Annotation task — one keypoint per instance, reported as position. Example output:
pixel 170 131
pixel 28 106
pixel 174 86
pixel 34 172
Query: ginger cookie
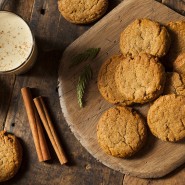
pixel 82 12
pixel 10 156
pixel 177 33
pixel 179 64
pixel 145 36
pixel 106 81
pixel 166 118
pixel 175 84
pixel 121 132
pixel 140 79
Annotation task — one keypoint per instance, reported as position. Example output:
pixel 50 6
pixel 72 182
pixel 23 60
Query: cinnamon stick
pixel 35 125
pixel 48 125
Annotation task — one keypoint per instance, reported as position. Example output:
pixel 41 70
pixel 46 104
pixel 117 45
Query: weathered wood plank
pixel 177 178
pixel 178 6
pixel 6 90
pixel 24 9
pixel 68 32
pixel 21 7
pixel 45 24
pixel 83 168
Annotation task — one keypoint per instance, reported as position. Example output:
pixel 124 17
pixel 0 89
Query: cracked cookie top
pixel 121 132
pixel 166 118
pixel 10 156
pixel 82 12
pixel 145 36
pixel 106 81
pixel 177 33
pixel 140 79
pixel 175 84
pixel 179 63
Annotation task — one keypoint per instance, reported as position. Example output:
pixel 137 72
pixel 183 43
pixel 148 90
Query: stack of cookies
pixel 138 76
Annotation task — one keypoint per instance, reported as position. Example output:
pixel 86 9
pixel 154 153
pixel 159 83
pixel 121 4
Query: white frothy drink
pixel 16 41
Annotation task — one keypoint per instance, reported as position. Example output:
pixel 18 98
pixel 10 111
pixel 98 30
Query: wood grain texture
pixel 21 7
pixel 83 168
pixel 178 6
pixel 6 90
pixel 45 16
pixel 157 158
pixel 175 178
pixel 7 81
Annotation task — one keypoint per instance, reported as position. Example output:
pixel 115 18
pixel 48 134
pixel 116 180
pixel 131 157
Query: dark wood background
pixel 53 34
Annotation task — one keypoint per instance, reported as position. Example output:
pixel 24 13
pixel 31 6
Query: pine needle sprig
pixel 93 52
pixel 83 80
pixel 89 53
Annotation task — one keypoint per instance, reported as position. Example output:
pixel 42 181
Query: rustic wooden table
pixel 53 34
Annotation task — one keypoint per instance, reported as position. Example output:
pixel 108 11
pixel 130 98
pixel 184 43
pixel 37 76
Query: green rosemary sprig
pixel 83 80
pixel 90 53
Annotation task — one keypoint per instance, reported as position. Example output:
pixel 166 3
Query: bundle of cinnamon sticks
pixel 36 108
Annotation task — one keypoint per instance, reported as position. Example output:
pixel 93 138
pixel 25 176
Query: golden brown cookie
pixel 166 118
pixel 179 64
pixel 177 33
pixel 175 84
pixel 145 36
pixel 10 156
pixel 82 12
pixel 141 79
pixel 106 81
pixel 121 132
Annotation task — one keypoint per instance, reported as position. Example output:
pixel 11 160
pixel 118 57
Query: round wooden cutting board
pixel 157 158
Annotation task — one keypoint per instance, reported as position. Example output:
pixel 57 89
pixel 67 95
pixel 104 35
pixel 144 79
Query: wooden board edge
pixel 159 173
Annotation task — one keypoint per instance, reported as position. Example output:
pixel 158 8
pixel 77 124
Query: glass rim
pixel 32 49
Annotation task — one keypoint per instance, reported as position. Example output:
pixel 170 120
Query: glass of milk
pixel 18 51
